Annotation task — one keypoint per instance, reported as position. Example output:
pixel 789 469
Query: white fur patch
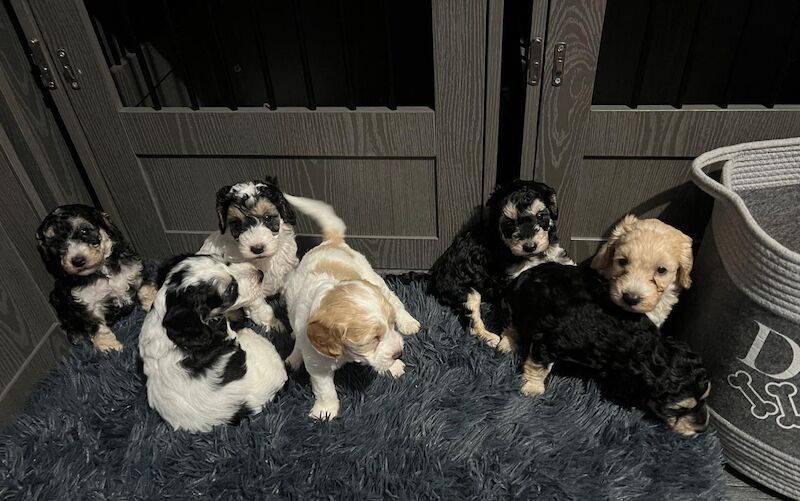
pixel 118 287
pixel 554 254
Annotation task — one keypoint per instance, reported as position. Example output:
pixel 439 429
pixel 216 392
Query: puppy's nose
pixel 631 299
pixel 529 247
pixel 78 261
pixel 256 249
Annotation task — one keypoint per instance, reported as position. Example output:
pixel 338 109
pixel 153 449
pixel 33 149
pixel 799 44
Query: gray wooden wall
pixel 37 172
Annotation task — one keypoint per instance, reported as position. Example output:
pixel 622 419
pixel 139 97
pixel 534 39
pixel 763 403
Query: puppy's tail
pixel 332 226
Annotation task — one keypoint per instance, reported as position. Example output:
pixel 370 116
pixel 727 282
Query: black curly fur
pixel 75 320
pixel 563 314
pixel 478 258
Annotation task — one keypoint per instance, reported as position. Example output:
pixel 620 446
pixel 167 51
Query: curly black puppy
pixel 564 314
pixel 98 275
pixel 518 233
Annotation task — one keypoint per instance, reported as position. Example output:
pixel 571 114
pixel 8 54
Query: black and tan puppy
pixel 98 275
pixel 565 314
pixel 518 232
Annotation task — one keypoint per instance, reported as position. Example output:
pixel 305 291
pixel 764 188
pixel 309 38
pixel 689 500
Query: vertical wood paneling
pixel 31 126
pixel 532 95
pixel 459 74
pixel 96 103
pixel 494 54
pixel 565 109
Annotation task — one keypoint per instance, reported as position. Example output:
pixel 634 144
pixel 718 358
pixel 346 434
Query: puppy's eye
pixel 622 262
pixel 84 232
pixel 661 270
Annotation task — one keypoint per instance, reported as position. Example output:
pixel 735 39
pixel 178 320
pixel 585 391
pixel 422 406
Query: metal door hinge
pixel 535 52
pixel 560 53
pixel 45 71
pixel 67 71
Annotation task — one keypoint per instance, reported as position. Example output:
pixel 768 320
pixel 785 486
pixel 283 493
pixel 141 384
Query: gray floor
pixel 740 488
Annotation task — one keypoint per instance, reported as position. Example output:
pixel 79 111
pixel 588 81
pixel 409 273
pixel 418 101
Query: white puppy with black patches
pixel 200 373
pixel 341 311
pixel 261 225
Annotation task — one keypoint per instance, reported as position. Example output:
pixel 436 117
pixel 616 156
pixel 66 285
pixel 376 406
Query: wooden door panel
pixel 404 179
pixel 287 131
pixel 610 188
pixel 393 198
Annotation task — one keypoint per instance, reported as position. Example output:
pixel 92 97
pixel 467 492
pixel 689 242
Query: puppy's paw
pixel 294 361
pixel 261 314
pixel 397 369
pixel 507 345
pixel 532 388
pixel 146 295
pixel 276 326
pixel 407 324
pixel 493 340
pixel 105 340
pixel 324 411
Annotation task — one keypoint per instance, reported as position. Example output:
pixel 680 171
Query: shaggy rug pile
pixel 454 427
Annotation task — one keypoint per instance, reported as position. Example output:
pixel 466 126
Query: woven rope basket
pixel 743 313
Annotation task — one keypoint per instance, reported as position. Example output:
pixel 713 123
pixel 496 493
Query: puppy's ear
pixel 550 203
pixel 185 328
pixel 223 203
pixel 285 210
pixel 601 261
pixel 111 229
pixel 325 337
pixel 685 262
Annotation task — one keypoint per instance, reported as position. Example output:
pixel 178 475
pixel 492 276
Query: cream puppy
pixel 341 311
pixel 647 263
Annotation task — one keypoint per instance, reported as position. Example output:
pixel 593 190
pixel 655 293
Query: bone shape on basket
pixel 759 408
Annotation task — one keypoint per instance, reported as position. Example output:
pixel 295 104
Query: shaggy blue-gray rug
pixel 454 427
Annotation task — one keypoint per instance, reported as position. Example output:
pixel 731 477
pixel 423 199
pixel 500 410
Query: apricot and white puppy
pixel 647 263
pixel 341 311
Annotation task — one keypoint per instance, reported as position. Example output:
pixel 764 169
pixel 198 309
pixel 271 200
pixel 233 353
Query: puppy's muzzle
pixel 631 299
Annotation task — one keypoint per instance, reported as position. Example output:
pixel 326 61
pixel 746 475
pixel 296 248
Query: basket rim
pixel 729 154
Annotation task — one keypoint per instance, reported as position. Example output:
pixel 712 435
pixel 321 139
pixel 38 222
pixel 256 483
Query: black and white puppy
pixel 564 314
pixel 98 275
pixel 256 225
pixel 200 373
pixel 518 233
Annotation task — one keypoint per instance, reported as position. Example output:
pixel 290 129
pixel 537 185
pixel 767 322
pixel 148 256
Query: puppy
pixel 261 225
pixel 564 314
pixel 98 275
pixel 341 311
pixel 647 263
pixel 199 372
pixel 518 233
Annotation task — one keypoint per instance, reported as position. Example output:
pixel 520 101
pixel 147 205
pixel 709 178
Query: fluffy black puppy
pixel 563 313
pixel 518 232
pixel 98 275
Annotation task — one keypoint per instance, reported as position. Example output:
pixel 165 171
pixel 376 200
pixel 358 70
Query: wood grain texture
pixel 25 315
pixel 532 95
pixel 459 44
pixel 610 188
pixel 27 116
pixel 685 132
pixel 565 109
pixel 290 132
pixel 66 24
pixel 494 56
pixel 72 125
pixel 393 253
pixel 375 197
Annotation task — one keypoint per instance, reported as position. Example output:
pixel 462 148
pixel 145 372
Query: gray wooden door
pixel 403 179
pixel 646 87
